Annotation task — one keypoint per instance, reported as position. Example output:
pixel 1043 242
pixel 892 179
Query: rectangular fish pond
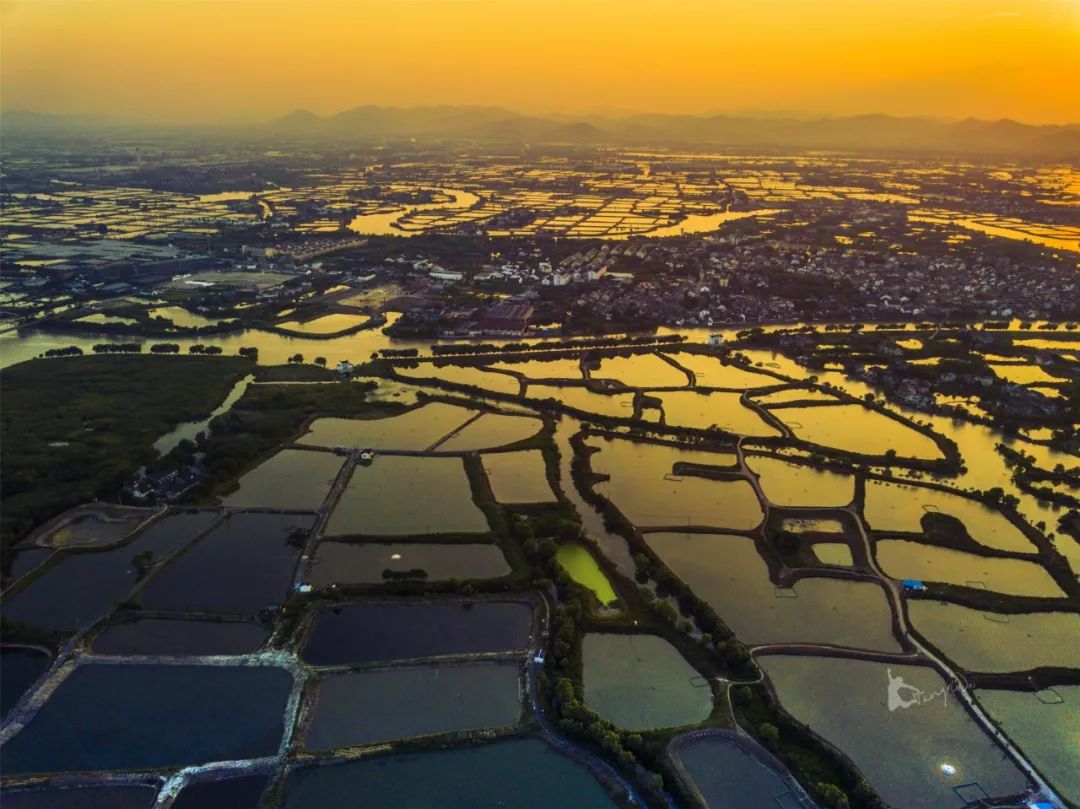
pixel 366 562
pixel 375 632
pixel 116 717
pixel 364 707
pixel 524 774
pixel 243 566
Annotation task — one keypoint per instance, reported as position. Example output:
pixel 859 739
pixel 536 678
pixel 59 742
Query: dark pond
pixel 524 774
pixel 92 797
pixel 353 562
pixel 83 587
pixel 19 669
pixel 106 717
pixel 729 776
pixel 26 560
pixel 365 633
pixel 232 793
pixel 176 637
pixel 242 566
pixel 362 707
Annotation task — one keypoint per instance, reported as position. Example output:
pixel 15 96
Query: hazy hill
pixel 498 125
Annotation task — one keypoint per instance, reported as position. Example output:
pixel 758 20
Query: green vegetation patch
pixel 74 429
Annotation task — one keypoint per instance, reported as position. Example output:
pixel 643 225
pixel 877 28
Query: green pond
pixel 583 568
pixel 702 411
pixel 518 477
pixel 788 484
pixel 382 499
pixel 904 559
pixel 1046 725
pixel 854 428
pixel 415 429
pixel 641 682
pixel 292 479
pixel 901 752
pixel 900 507
pixel 978 640
pixel 728 573
pixel 364 563
pixel 524 773
pixel 644 487
pixel 364 707
pixel 106 717
pixel 641 371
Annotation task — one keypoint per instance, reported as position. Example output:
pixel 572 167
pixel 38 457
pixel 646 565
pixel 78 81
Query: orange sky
pixel 224 60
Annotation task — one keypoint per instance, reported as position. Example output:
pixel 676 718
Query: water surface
pixel 364 707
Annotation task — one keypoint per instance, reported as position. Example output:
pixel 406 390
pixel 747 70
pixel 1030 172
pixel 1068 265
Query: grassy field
pixel 74 429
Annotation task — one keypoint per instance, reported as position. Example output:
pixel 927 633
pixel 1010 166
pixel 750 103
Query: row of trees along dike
pixel 157 348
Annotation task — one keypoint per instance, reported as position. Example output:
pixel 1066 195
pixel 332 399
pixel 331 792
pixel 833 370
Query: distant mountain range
pixel 496 124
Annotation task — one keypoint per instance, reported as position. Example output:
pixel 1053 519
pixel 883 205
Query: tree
pixel 321 361
pixel 770 734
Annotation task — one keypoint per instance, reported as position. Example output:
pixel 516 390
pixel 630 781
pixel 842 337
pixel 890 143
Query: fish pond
pixel 86 797
pixel 978 640
pixel 710 372
pixel 728 573
pixel 20 668
pixel 641 371
pixel 105 717
pixel 614 405
pixel 933 745
pixel 412 430
pixel 523 773
pixel 82 587
pixel 177 637
pixel 229 793
pixel 363 707
pixel 904 559
pixel 243 566
pixel 292 479
pixel 381 499
pixel 644 487
pixel 460 375
pixel 789 484
pixel 900 507
pixel 584 569
pixel 641 682
pixel 854 428
pixel 377 632
pixel 730 772
pixel 365 563
pixel 715 410
pixel 1046 725
pixel 518 477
